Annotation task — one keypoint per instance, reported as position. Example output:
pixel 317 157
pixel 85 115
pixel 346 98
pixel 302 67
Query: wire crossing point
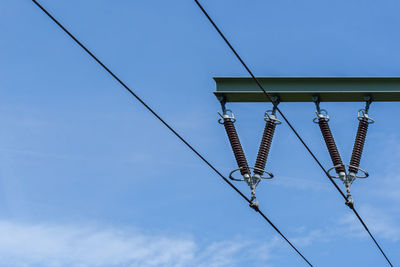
pixel 257 82
pixel 172 130
pixel 252 180
pixel 353 168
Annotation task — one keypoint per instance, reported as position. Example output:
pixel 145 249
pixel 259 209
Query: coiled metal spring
pixel 330 144
pixel 265 146
pixel 237 149
pixel 358 147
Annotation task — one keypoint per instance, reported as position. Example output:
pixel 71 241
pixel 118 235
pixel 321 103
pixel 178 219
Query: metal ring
pixel 231 116
pixel 364 116
pixel 254 168
pixel 235 179
pixel 268 117
pixel 264 171
pixel 321 115
pixel 334 167
pixel 366 174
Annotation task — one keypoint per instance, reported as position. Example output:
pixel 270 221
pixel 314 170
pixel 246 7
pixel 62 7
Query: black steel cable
pixel 170 128
pixel 288 123
pixel 268 96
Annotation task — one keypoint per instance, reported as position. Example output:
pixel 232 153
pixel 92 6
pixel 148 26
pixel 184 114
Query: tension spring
pixel 266 141
pixel 364 121
pixel 228 121
pixel 322 120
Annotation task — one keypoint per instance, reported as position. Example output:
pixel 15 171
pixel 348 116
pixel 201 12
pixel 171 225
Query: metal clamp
pixel 363 114
pixel 228 114
pixel 366 174
pixel 321 114
pixel 348 179
pixel 270 116
pixel 270 175
pixel 334 167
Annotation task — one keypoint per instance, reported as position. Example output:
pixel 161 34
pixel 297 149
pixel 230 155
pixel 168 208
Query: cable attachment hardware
pixel 265 145
pixel 252 181
pixel 228 115
pixel 362 115
pixel 266 141
pixel 353 168
pixel 270 115
pixel 228 120
pixel 347 177
pixel 322 120
pixel 322 114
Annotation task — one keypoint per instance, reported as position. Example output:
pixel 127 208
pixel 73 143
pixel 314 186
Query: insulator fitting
pixel 228 120
pixel 266 141
pixel 364 121
pixel 353 168
pixel 322 120
pixel 322 114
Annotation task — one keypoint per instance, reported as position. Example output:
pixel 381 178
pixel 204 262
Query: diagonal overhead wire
pixel 172 130
pixel 290 125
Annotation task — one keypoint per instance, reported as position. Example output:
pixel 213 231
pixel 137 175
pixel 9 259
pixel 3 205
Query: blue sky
pixel 89 178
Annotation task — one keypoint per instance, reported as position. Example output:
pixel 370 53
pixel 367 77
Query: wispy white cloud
pixel 379 222
pixel 314 236
pixel 388 175
pixel 388 187
pixel 301 183
pixel 74 245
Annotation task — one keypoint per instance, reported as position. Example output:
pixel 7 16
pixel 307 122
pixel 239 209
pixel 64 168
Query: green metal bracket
pixel 303 89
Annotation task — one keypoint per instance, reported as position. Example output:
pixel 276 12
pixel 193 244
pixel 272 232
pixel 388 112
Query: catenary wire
pixel 171 129
pixel 289 124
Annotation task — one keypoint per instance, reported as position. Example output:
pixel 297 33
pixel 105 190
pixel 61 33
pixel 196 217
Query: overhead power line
pixel 171 129
pixel 289 124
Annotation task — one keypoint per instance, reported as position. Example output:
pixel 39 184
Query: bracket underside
pixel 302 89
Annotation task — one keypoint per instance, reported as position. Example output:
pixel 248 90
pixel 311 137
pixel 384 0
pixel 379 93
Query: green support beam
pixel 302 89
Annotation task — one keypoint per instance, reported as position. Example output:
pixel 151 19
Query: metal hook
pixel 348 179
pixel 222 101
pixel 321 113
pixel 368 101
pixel 363 113
pixel 275 101
pixel 317 101
pixel 228 114
pixel 270 115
